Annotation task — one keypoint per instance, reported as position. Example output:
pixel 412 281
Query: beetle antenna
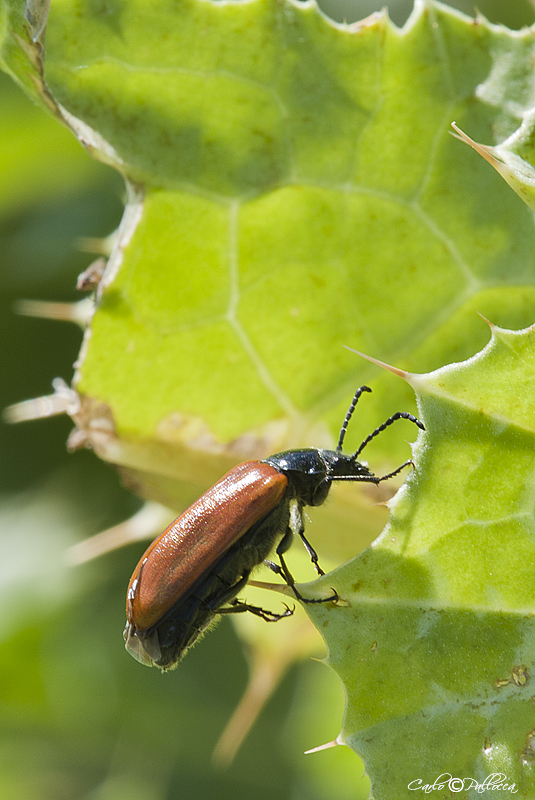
pixel 407 463
pixel 381 428
pixel 349 414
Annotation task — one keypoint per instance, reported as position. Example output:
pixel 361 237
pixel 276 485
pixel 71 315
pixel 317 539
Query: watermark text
pixel 493 783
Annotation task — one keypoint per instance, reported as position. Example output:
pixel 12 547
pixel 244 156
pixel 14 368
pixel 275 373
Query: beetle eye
pixel 320 495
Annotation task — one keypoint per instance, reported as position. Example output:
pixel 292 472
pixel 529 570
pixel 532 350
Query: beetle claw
pixel 238 607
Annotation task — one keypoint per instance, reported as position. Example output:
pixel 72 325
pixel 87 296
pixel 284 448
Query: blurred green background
pixel 78 717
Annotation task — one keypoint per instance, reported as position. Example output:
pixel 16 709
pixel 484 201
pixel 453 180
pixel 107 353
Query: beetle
pixel 196 568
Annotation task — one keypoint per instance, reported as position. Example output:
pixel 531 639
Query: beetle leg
pixel 285 573
pixel 312 553
pixel 297 527
pixel 286 541
pixel 238 607
pixel 228 594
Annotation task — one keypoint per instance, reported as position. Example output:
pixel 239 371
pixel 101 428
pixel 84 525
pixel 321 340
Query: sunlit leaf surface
pixel 436 642
pixel 293 187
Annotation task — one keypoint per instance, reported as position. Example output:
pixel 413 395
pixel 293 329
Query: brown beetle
pixel 195 569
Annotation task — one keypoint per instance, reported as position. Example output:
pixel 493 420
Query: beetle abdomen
pixel 194 611
pixel 197 539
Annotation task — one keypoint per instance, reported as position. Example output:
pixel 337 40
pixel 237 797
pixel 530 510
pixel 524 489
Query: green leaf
pixel 435 639
pixel 286 205
pixel 519 174
pixel 293 187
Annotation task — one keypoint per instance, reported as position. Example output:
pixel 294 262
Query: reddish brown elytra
pixel 195 569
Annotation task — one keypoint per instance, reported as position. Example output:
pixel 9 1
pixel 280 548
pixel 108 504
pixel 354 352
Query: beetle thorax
pixel 310 472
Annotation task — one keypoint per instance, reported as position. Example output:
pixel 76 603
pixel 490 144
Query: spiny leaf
pixel 296 190
pixel 436 642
